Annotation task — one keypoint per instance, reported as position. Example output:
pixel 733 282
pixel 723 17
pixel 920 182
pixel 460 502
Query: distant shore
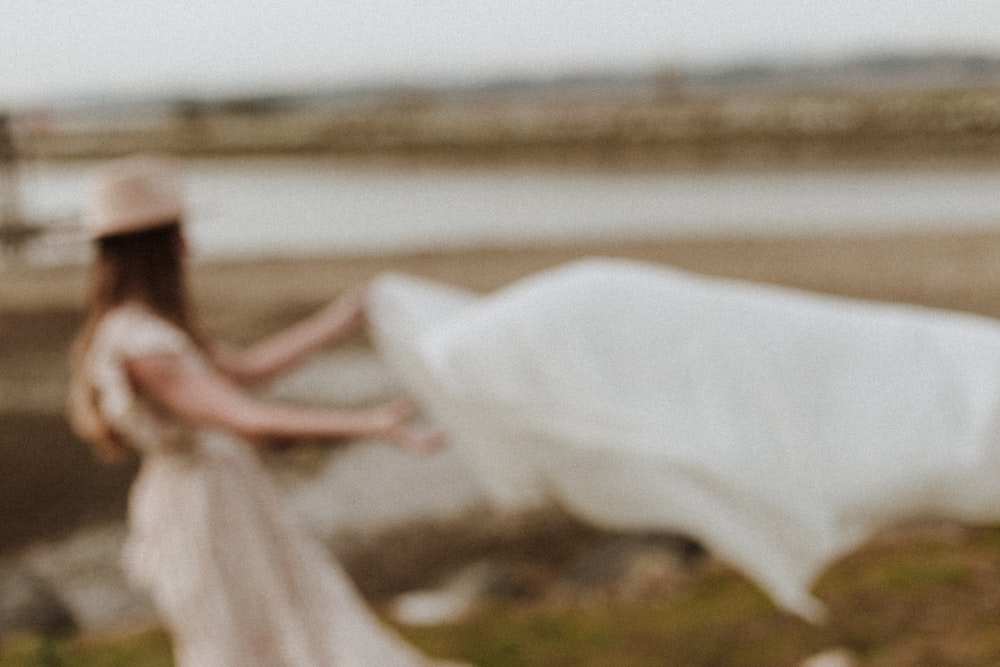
pixel 648 122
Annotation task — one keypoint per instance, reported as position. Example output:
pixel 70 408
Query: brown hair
pixel 144 267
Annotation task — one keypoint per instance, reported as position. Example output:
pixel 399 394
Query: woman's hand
pixel 423 443
pixel 391 422
pixel 347 313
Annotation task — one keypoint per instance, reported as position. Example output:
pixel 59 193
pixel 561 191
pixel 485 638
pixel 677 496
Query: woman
pixel 234 582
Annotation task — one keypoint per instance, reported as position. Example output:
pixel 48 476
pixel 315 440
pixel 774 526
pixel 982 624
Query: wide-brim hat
pixel 134 194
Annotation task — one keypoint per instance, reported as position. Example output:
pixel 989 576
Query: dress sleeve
pixel 132 331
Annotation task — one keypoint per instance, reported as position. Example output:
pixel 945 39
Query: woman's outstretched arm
pixel 199 395
pixel 286 349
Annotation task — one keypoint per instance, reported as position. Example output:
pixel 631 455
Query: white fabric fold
pixel 780 428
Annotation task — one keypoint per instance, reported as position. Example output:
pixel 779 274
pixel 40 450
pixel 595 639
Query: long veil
pixel 778 428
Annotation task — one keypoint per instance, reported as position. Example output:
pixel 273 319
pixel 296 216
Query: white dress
pixel 237 585
pixel 779 428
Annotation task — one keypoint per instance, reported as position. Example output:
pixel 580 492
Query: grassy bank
pixel 924 596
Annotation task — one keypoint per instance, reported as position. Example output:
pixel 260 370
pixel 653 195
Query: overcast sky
pixel 50 49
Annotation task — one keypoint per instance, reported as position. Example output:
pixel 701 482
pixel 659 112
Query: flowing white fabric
pixel 779 428
pixel 237 584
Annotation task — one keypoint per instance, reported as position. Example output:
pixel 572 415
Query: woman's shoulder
pixel 133 329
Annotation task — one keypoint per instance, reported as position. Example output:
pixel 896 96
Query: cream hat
pixel 134 194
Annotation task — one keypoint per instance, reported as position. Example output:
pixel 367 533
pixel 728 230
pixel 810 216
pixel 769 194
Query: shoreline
pixel 950 269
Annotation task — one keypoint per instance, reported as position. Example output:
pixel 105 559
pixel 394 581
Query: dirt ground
pixel 49 484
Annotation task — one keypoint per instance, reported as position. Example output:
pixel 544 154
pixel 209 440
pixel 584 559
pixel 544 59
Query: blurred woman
pixel 234 582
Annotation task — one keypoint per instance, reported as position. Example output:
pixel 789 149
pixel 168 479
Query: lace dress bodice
pixel 133 331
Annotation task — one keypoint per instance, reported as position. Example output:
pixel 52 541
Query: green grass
pixel 926 599
pixel 146 649
pixel 721 620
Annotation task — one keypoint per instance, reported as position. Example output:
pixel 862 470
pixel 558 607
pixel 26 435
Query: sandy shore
pixel 49 484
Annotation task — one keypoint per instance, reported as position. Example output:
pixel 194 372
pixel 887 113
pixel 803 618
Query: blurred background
pixel 848 147
pixel 562 119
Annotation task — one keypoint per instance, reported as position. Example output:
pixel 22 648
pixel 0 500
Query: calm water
pixel 247 208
